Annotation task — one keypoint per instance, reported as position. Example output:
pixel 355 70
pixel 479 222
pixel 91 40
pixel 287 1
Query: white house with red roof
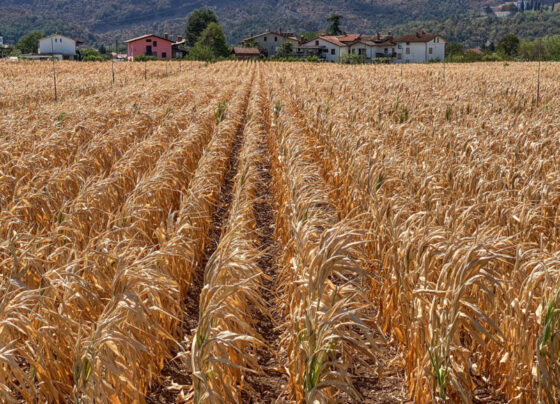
pixel 374 47
pixel 331 47
pixel 420 48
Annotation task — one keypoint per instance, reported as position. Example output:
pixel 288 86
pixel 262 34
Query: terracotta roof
pixel 349 37
pixel 332 39
pixel 147 36
pixel 246 51
pixel 377 43
pixel 475 50
pixel 419 37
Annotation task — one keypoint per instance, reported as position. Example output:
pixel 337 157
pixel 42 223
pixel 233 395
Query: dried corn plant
pixel 140 323
pixel 454 235
pixel 329 335
pixel 408 206
pixel 224 345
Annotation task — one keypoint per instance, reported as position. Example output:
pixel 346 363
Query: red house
pixel 150 45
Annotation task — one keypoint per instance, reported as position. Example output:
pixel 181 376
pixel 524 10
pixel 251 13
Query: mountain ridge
pixel 104 21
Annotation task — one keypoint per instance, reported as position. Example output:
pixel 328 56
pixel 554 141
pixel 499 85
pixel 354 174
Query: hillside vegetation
pixel 475 32
pixel 120 19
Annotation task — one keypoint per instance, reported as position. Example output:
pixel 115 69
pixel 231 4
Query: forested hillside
pixel 110 19
pixel 103 21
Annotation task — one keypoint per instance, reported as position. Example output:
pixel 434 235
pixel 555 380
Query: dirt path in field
pixel 271 385
pixel 174 371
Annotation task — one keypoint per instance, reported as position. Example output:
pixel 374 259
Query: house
pixel 246 53
pixel 329 47
pixel 180 48
pixel 374 47
pixel 150 45
pixel 420 48
pixel 59 46
pixel 270 42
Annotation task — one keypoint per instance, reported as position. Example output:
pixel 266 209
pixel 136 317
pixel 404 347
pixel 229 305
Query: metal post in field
pixel 145 68
pixel 444 68
pixel 113 62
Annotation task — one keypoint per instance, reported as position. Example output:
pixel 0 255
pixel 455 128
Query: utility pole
pixel 54 71
pixel 444 65
pixel 113 61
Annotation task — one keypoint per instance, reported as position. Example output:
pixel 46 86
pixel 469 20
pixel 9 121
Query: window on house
pixel 386 50
pixel 333 51
pixel 148 40
pixel 399 55
pixel 408 43
pixel 264 39
pixel 155 44
pixel 164 54
pixel 316 43
pixel 275 39
pixel 430 51
pixel 408 51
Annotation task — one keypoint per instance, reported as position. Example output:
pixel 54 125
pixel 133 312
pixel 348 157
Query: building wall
pixel 138 48
pixel 420 51
pixel 271 43
pixel 360 47
pixel 370 52
pixel 59 44
pixel 333 52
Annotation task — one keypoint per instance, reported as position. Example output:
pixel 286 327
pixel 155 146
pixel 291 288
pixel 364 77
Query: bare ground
pixel 269 386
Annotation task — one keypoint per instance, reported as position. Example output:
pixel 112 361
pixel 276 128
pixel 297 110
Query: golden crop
pixel 241 232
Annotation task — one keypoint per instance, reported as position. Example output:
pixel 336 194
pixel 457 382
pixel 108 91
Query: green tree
pixel 197 23
pixel 30 42
pixel 509 7
pixel 508 45
pixel 102 49
pixel 310 35
pixel 552 47
pixel 213 38
pixel 251 44
pixel 203 53
pixel 334 28
pixel 453 49
pixel 287 49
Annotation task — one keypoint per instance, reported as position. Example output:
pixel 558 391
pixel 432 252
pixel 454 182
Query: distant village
pixel 419 47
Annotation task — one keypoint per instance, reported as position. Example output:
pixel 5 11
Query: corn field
pixel 274 232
